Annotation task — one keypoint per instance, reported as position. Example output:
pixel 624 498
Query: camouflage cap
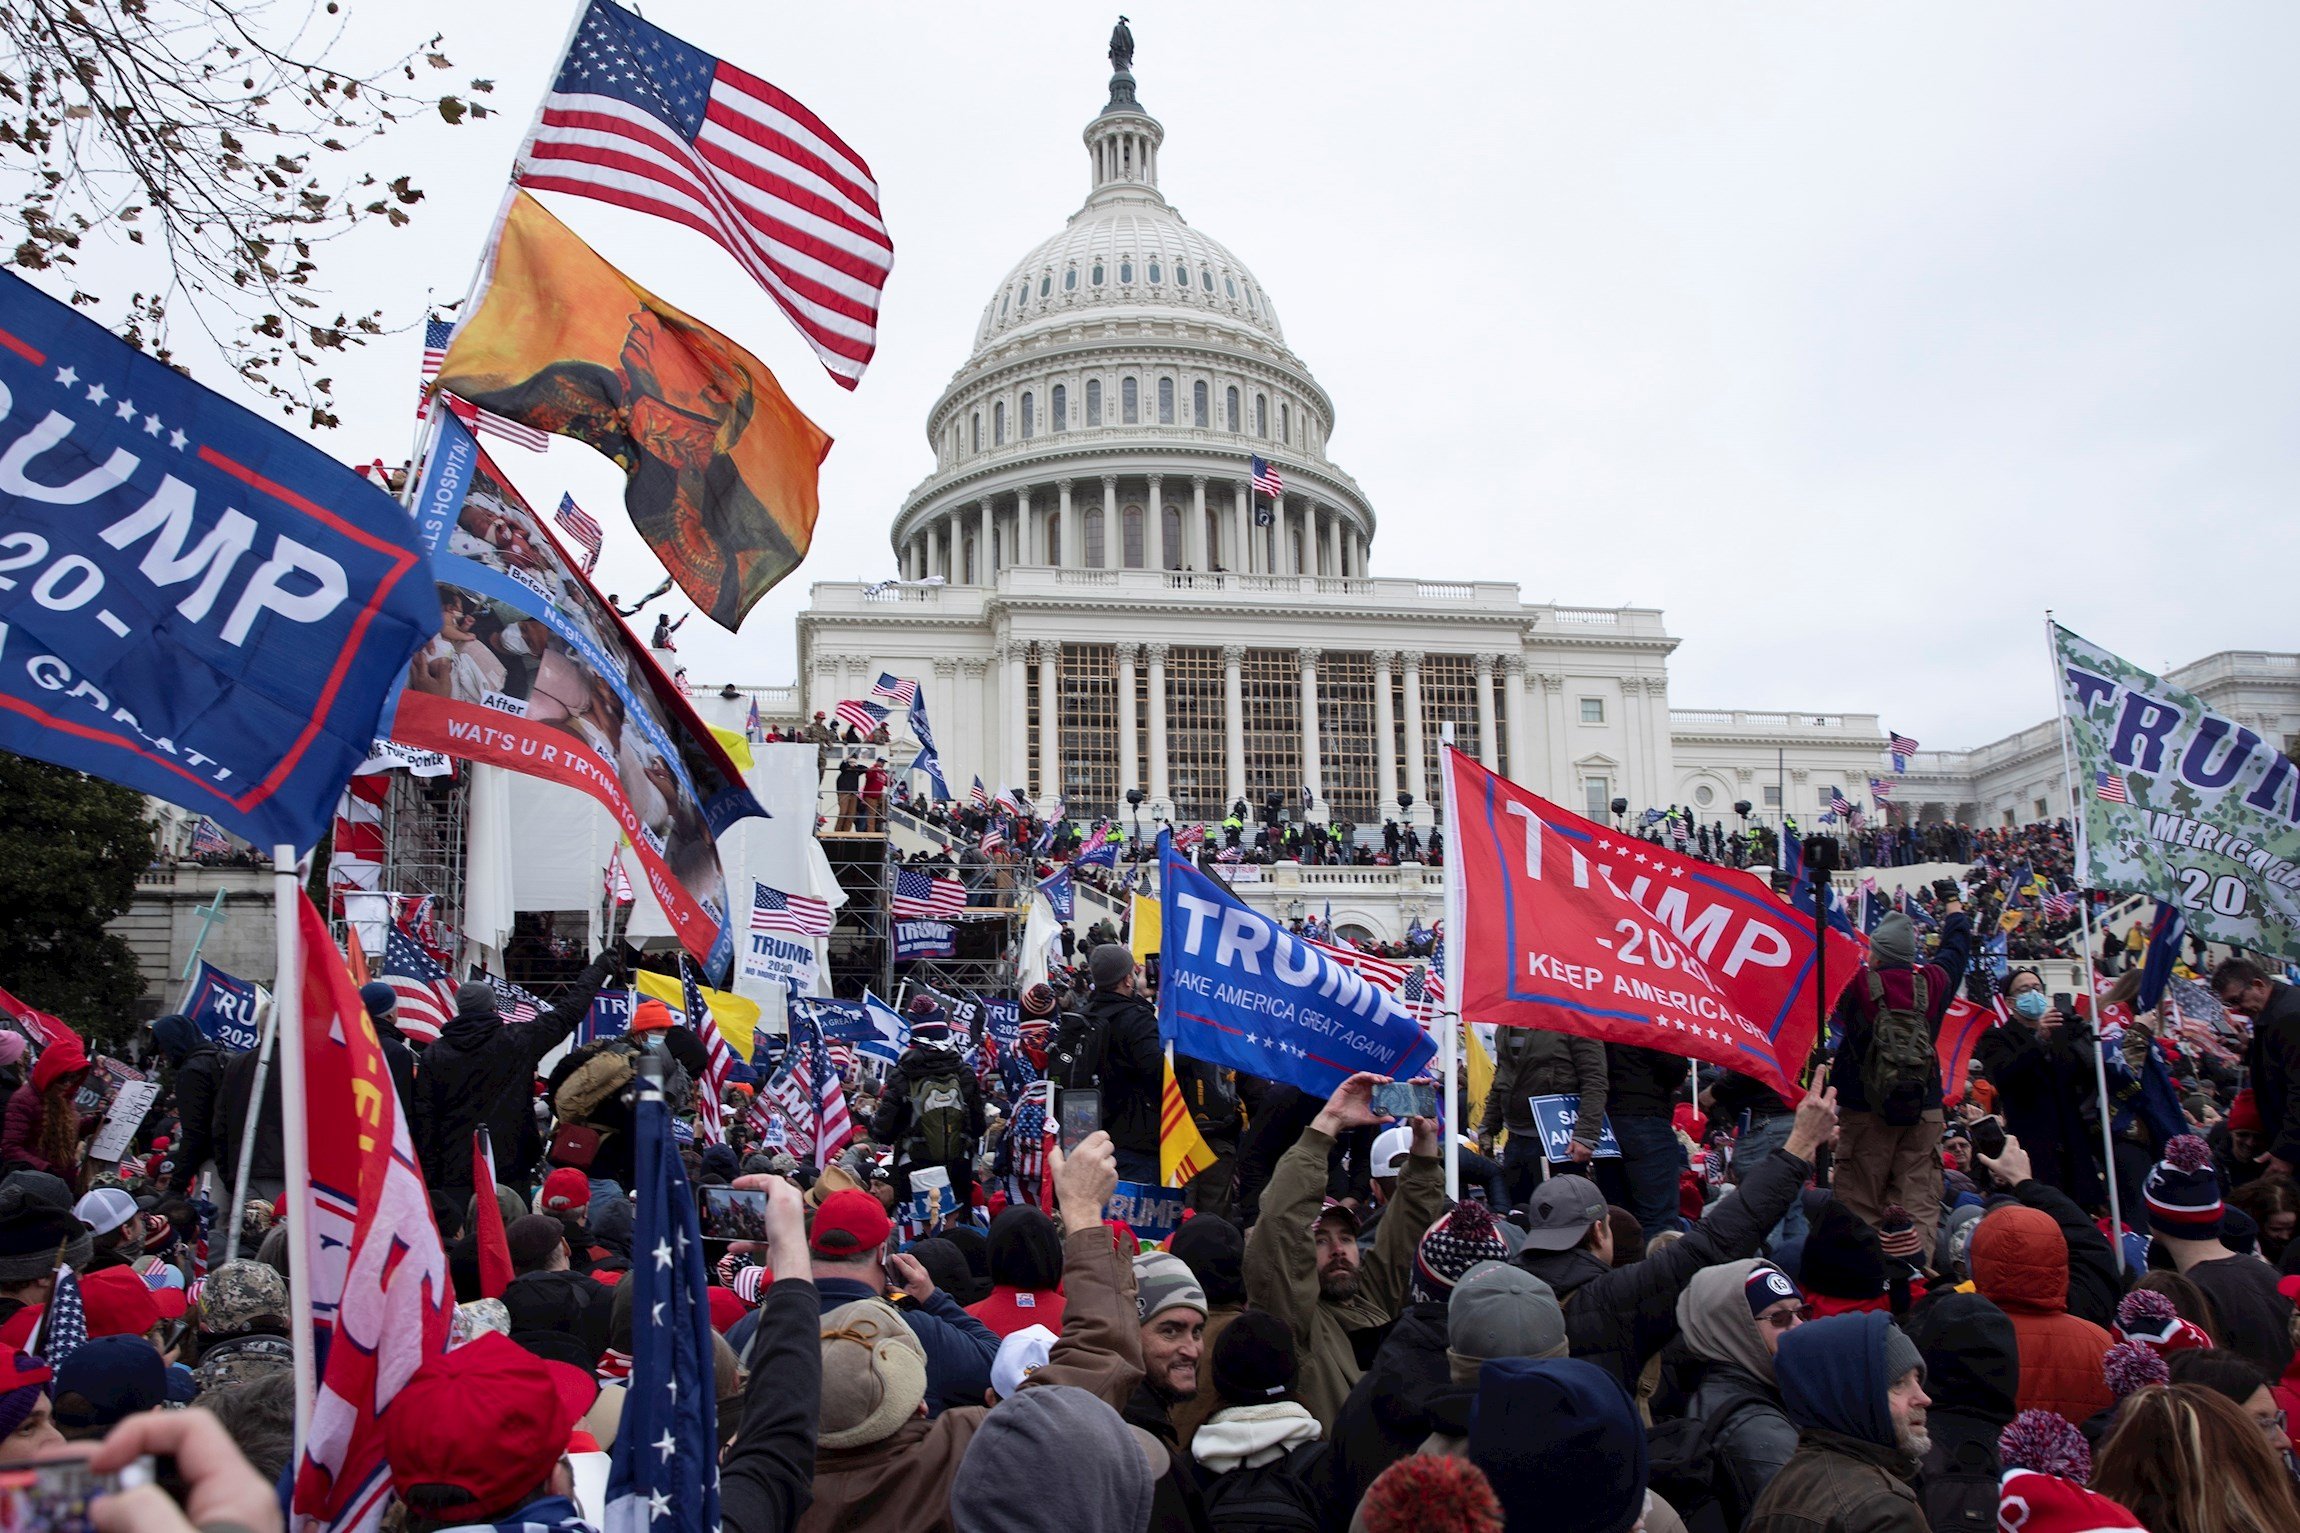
pixel 243 1360
pixel 239 1295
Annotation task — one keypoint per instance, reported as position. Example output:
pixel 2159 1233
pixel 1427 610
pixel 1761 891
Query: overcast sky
pixel 1852 337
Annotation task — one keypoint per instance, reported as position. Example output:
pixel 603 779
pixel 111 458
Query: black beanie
pixel 1254 1360
pixel 1844 1258
pixel 1025 1249
pixel 1215 1252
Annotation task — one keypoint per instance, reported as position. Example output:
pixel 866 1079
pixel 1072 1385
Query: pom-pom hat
pixel 2183 1192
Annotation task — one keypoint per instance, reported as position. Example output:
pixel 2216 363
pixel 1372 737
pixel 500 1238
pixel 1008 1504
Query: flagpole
pixel 264 1048
pixel 2084 911
pixel 1449 1038
pixel 287 1040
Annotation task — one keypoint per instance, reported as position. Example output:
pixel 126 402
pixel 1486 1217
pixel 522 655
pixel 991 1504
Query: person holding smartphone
pixel 2041 1062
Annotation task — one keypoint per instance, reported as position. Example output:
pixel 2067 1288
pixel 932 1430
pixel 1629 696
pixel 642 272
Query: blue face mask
pixel 2031 1004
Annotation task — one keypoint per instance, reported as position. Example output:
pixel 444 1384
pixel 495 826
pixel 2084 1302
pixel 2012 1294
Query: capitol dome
pixel 1125 375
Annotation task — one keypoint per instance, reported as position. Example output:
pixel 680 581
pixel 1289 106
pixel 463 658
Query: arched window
pixel 1045 284
pixel 1170 535
pixel 1097 273
pixel 1061 413
pixel 1003 300
pixel 1230 286
pixel 1129 402
pixel 998 424
pixel 1070 280
pixel 1153 268
pixel 1198 404
pixel 1206 277
pixel 1165 401
pixel 1094 401
pixel 1262 416
pixel 1230 407
pixel 977 447
pixel 1029 416
pixel 1285 423
pixel 1095 542
pixel 1130 521
pixel 1126 269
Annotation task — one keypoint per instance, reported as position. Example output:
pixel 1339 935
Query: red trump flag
pixel 1579 928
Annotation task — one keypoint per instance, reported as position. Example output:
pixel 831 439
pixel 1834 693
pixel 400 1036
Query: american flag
pixel 63 1326
pixel 895 691
pixel 977 795
pixel 1229 854
pixel 719 1060
pixel 1267 480
pixel 577 523
pixel 920 894
pixel 643 120
pixel 2059 905
pixel 426 993
pixel 754 728
pixel 1010 801
pixel 1384 973
pixel 808 1093
pixel 208 837
pixel 1900 744
pixel 1880 790
pixel 515 1004
pixel 993 840
pixel 1838 802
pixel 1027 1138
pixel 860 716
pixel 1422 992
pixel 2109 787
pixel 793 914
pixel 672 1402
pixel 436 334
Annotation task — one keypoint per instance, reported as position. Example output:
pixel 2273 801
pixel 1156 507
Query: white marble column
pixel 1242 529
pixel 1385 739
pixel 1154 531
pixel 1049 722
pixel 984 568
pixel 933 549
pixel 1156 655
pixel 1329 544
pixel 1024 549
pixel 1016 701
pixel 1520 738
pixel 1073 541
pixel 1113 536
pixel 1560 787
pixel 1128 653
pixel 1488 747
pixel 1313 763
pixel 1194 534
pixel 1234 723
pixel 1415 785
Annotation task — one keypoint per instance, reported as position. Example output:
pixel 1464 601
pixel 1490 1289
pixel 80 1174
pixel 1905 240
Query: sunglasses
pixel 1782 1319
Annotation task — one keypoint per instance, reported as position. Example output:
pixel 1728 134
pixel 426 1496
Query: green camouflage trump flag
pixel 2181 803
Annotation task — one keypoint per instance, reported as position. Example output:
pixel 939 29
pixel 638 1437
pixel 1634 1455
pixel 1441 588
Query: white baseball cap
pixel 1019 1356
pixel 105 1209
pixel 1391 1147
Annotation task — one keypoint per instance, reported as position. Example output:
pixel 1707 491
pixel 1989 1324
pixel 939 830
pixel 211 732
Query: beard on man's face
pixel 1338 1280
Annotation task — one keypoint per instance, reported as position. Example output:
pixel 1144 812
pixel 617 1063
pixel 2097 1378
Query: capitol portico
pixel 1096 599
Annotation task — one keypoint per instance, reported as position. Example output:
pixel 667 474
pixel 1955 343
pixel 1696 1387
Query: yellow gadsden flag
pixel 722 465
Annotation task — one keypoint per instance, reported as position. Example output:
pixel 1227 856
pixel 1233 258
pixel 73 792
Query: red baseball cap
pixel 564 1190
pixel 120 1303
pixel 849 1224
pixel 488 1419
pixel 727 1307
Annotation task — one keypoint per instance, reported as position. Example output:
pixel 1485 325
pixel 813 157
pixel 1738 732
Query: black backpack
pixel 1684 1468
pixel 938 1126
pixel 1273 1498
pixel 1074 1054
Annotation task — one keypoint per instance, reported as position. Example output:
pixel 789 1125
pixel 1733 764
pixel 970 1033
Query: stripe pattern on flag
pixel 794 915
pixel 579 525
pixel 921 895
pixel 426 993
pixel 436 334
pixel 638 118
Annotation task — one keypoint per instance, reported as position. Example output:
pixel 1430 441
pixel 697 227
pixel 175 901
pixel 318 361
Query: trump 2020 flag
pixel 1237 989
pixel 196 604
pixel 664 1476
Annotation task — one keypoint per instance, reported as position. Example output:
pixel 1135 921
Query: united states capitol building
pixel 1095 599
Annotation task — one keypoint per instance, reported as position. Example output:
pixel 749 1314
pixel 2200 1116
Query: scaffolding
pixel 423 845
pixel 862 949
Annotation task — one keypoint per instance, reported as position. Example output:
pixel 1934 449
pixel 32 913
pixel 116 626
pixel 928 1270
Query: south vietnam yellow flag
pixel 1480 1075
pixel 1146 927
pixel 722 465
pixel 1182 1151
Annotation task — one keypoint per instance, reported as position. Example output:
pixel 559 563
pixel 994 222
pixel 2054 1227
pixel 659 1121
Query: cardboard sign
pixel 1556 1118
pixel 119 1128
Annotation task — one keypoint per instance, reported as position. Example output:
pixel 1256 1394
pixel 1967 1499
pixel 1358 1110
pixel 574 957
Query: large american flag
pixel 920 894
pixel 1385 973
pixel 2059 905
pixel 719 1060
pixel 895 691
pixel 1880 790
pixel 426 993
pixel 793 914
pixel 978 795
pixel 643 120
pixel 1838 802
pixel 1267 480
pixel 1900 744
pixel 436 334
pixel 864 718
pixel 807 1093
pixel 578 524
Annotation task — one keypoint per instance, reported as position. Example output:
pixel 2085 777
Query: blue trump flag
pixel 664 1474
pixel 193 603
pixel 1061 895
pixel 1236 988
pixel 225 1007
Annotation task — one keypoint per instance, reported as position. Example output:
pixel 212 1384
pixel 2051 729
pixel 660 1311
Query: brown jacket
pixel 1839 1484
pixel 1282 1266
pixel 1531 1062
pixel 901 1484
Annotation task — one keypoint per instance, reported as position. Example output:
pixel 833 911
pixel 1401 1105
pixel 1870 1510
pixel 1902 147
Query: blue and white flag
pixel 1236 988
pixel 199 605
pixel 228 1009
pixel 1062 894
pixel 663 1476
pixel 63 1326
pixel 609 1017
pixel 916 939
pixel 930 763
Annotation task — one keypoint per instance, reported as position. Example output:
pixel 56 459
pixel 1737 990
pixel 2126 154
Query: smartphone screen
pixel 729 1213
pixel 53 1497
pixel 1081 1115
pixel 1406 1099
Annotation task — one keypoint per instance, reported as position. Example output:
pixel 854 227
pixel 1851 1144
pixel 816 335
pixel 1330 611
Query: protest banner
pixel 2179 802
pixel 1149 1211
pixel 392 755
pixel 924 939
pixel 533 672
pixel 127 1111
pixel 1556 1117
pixel 1236 988
pixel 229 1010
pixel 771 959
pixel 1573 926
pixel 194 603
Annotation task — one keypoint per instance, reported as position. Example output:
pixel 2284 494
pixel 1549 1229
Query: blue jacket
pixel 959 1348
